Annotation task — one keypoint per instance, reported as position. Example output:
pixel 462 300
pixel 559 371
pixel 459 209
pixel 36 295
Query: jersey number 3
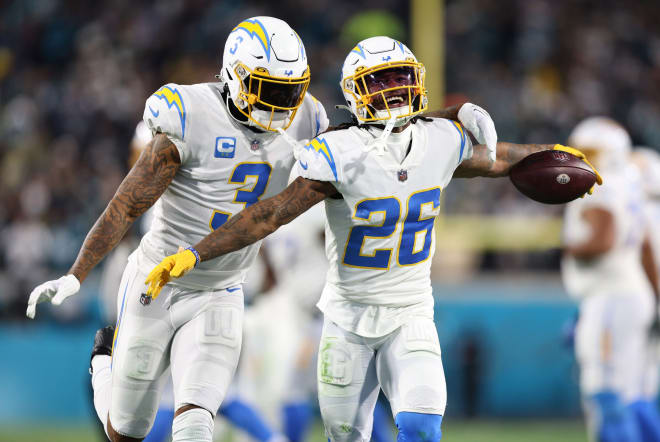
pixel 260 171
pixel 417 230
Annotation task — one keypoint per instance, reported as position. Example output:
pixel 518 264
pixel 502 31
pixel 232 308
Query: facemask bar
pixel 356 86
pixel 250 99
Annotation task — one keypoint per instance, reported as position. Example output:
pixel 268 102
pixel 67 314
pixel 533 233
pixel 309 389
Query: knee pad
pixel 195 425
pixel 613 421
pixel 418 427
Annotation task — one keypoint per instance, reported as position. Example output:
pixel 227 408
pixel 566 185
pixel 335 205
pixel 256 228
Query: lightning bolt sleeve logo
pixel 319 145
pixel 173 98
pixel 254 28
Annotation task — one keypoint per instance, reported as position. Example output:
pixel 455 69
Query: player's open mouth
pixel 396 100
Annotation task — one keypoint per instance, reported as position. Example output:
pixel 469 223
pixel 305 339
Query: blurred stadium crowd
pixel 74 76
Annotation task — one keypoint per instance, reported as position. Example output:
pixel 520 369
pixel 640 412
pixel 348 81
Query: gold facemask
pixel 262 92
pixel 373 91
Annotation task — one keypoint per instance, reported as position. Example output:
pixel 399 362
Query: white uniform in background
pixel 224 167
pixel 377 301
pixel 273 366
pixel 648 161
pixel 616 297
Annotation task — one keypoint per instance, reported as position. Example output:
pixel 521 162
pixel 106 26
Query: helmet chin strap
pixel 298 146
pixel 380 144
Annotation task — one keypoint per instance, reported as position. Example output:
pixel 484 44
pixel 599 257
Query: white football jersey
pixel 297 255
pixel 618 270
pixel 379 236
pixel 225 167
pixel 653 220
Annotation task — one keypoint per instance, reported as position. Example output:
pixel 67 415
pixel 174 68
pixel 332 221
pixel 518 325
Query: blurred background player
pixel 234 409
pixel 605 266
pixel 215 150
pixel 647 161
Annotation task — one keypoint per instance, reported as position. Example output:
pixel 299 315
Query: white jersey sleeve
pixel 463 140
pixel 317 162
pixel 165 112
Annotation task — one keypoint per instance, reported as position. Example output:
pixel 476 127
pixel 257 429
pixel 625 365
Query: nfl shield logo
pixel 402 175
pixel 145 299
pixel 254 146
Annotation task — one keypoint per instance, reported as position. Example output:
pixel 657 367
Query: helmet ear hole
pixel 229 75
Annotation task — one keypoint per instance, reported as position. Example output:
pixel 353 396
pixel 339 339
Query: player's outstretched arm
pixel 508 154
pixel 143 185
pixel 245 228
pixel 476 120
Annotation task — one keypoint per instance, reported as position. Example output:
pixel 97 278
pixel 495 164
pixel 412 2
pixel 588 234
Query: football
pixel 552 177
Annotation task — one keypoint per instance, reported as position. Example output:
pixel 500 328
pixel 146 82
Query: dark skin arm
pixel 602 236
pixel 264 217
pixel 143 185
pixel 508 154
pixel 650 266
pixel 450 113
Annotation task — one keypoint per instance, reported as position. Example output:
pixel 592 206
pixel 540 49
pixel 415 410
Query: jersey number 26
pixel 414 226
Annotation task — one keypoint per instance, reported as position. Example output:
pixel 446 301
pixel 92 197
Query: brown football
pixel 552 177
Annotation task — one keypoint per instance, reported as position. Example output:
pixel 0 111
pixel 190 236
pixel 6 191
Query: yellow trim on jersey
pixel 364 237
pixel 246 177
pixel 229 215
pixel 419 218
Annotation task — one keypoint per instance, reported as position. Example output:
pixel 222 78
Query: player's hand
pixel 174 266
pixel 478 122
pixel 54 291
pixel 580 155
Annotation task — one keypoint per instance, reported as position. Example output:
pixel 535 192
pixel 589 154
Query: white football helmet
pixel 604 141
pixel 264 66
pixel 381 79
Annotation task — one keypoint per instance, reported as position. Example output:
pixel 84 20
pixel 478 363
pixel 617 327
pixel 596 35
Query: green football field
pixel 453 431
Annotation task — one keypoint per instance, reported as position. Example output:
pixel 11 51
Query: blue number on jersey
pixel 414 224
pixel 261 171
pixel 390 208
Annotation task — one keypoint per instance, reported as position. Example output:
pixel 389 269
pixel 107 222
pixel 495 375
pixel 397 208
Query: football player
pixel 648 162
pixel 381 179
pixel 234 409
pixel 604 267
pixel 215 150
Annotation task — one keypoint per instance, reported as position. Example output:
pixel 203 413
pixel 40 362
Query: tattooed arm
pixel 143 185
pixel 450 113
pixel 264 217
pixel 508 154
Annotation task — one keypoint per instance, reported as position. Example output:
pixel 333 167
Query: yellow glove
pixel 580 155
pixel 174 266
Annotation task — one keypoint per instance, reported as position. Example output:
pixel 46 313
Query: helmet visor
pixel 391 87
pixel 278 93
pixel 394 77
